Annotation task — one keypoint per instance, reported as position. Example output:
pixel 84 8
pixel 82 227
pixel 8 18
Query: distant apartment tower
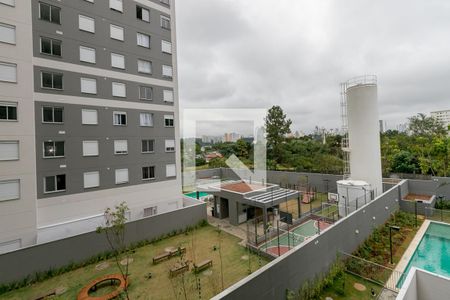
pixel 382 126
pixel 88 114
pixel 443 116
pixel 231 137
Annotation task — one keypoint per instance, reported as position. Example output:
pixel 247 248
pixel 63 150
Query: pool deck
pixel 403 263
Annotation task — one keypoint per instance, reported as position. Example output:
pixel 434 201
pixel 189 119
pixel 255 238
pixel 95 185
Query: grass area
pixel 343 288
pixel 200 245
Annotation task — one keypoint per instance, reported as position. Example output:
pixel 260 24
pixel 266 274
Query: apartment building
pixel 88 114
pixel 443 116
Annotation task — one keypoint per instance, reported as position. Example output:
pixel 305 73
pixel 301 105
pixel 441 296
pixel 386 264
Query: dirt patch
pixel 102 266
pixel 413 197
pixel 359 287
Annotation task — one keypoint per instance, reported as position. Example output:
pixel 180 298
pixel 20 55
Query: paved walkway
pixel 387 295
pixel 228 228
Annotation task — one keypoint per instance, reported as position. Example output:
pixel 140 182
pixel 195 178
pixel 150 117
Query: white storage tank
pixel 364 131
pixel 352 195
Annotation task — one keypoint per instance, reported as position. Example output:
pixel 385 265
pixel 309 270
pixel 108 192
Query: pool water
pixel 433 252
pixel 194 195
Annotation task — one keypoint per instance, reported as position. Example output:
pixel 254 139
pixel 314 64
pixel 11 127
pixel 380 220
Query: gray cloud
pixel 294 53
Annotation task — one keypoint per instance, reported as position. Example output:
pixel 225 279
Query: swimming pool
pixel 433 252
pixel 194 195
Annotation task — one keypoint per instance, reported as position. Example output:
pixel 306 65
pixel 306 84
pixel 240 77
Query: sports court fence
pixel 440 215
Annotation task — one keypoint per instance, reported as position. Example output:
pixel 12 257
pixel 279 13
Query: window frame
pixel 142 9
pixel 50 14
pixel 54 146
pixel 8 64
pixel 122 182
pixel 169 117
pixel 90 173
pixel 88 79
pixel 169 149
pixel 121 84
pixel 88 48
pixel 117 54
pixel 13 27
pixel 111 35
pixel 83 29
pixel 115 9
pixel 163 20
pixel 53 114
pixel 53 81
pixel 149 172
pixel 147 36
pixel 88 110
pixel 148 142
pixel 56 184
pixel 145 61
pixel 6 181
pixel 120 152
pixel 51 46
pixel 152 119
pixel 7 104
pixel 120 113
pixel 15 142
pixel 146 88
pixel 167 43
pixel 90 141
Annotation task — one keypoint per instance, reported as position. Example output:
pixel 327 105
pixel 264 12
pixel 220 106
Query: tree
pixel 277 126
pixel 114 231
pixel 242 148
pixel 404 162
pixel 217 163
pixel 421 125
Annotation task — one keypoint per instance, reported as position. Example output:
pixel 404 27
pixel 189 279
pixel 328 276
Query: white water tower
pixel 361 122
pixel 352 195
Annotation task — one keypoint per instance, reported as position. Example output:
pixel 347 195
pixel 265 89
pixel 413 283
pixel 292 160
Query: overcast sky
pixel 294 53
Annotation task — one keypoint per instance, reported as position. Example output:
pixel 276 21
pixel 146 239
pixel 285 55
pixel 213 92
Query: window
pixel 50 46
pixel 91 179
pixel 116 32
pixel 117 61
pixel 167 71
pixel 143 40
pixel 9 150
pixel 89 117
pixel 8 72
pixel 53 149
pixel 148 173
pixel 150 211
pixel 171 170
pixel 56 183
pixel 90 148
pixel 9 190
pixel 166 47
pixel 86 23
pixel 170 145
pixel 52 114
pixel 8 2
pixel 145 93
pixel 88 85
pixel 52 80
pixel 146 119
pixel 144 66
pixel 168 96
pixel 121 176
pixel 7 33
pixel 87 54
pixel 116 5
pixel 49 13
pixel 168 121
pixel 166 2
pixel 165 22
pixel 148 146
pixel 8 111
pixel 119 89
pixel 120 147
pixel 120 118
pixel 142 13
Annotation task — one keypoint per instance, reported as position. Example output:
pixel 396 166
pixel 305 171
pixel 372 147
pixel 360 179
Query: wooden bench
pixel 92 286
pixel 178 269
pixel 202 266
pixel 177 252
pixel 161 257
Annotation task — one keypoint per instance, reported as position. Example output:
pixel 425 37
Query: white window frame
pixel 168 96
pixel 7 38
pixel 169 117
pixel 143 40
pixel 143 61
pixel 53 114
pixel 171 170
pixel 116 32
pixel 52 41
pixel 88 25
pixel 166 47
pixel 151 119
pixel 88 85
pixel 121 181
pixel 119 89
pixel 120 113
pixel 11 67
pixel 56 184
pixel 162 21
pixel 87 145
pixel 167 71
pixel 116 5
pixel 12 196
pixel 86 55
pixel 10 104
pixel 148 14
pixel 86 118
pixel 87 177
pixel 169 146
pixel 53 81
pixel 120 147
pixel 150 211
pixel 54 145
pixel 150 178
pixel 117 61
pixel 148 142
pixel 13 151
pixel 143 97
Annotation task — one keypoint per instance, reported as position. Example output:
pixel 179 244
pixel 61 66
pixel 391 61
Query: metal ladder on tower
pixel 345 145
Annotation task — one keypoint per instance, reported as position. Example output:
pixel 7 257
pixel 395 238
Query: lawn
pixel 291 205
pixel 343 288
pixel 200 245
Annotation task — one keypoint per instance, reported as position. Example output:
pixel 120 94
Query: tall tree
pixel 421 125
pixel 277 126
